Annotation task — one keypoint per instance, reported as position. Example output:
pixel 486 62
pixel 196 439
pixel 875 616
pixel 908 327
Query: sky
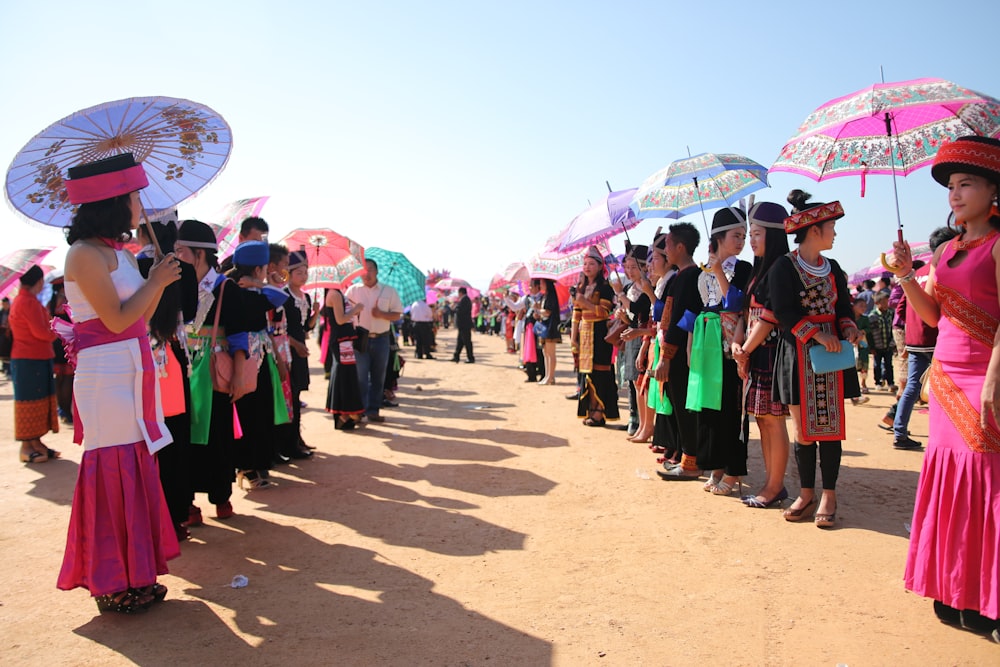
pixel 464 134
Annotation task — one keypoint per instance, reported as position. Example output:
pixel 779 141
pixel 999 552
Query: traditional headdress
pixel 104 179
pixel 252 253
pixel 806 213
pixel 659 244
pixel 768 214
pixel 297 258
pixel 968 155
pixel 728 218
pixel 639 253
pixel 196 234
pixel 595 254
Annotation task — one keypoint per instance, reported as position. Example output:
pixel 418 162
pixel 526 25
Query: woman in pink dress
pixel 954 554
pixel 120 534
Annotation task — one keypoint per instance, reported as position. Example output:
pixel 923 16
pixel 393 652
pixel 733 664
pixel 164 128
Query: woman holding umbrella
pixel 598 401
pixel 119 542
pixel 954 554
pixel 813 307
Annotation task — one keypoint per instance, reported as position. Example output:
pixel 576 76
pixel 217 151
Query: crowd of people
pixel 171 359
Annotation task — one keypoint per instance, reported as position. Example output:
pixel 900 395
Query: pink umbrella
pixel 449 284
pixel 887 128
pixel 561 267
pixel 920 251
pixel 13 265
pixel 334 259
pixel 230 217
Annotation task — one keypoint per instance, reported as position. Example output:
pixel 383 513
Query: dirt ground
pixel 482 524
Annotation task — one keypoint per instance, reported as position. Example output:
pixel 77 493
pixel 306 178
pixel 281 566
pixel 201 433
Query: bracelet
pixel 908 278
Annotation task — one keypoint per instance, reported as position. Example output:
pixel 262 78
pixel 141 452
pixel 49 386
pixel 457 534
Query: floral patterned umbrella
pixel 334 260
pixel 182 145
pixel 564 268
pixel 708 180
pixel 887 128
pixel 14 264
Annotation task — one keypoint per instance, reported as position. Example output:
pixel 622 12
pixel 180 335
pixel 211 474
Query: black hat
pixel 196 234
pixel 31 277
pixel 728 218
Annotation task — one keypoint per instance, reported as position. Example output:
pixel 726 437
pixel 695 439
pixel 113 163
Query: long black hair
pixel 775 246
pixel 163 323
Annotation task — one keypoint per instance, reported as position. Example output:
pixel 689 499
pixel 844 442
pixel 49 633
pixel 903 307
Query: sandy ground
pixel 482 524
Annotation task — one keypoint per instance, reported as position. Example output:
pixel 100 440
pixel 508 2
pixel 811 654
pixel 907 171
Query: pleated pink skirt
pixel 954 554
pixel 120 533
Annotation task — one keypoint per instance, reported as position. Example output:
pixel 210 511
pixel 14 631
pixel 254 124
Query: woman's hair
pixel 240 270
pixel 775 246
pixel 715 239
pixel 108 218
pixel 941 235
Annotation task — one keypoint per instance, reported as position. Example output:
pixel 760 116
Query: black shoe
pixel 470 361
pixel 455 359
pixel 428 357
pixel 386 403
pixel 947 615
pixel 906 442
pixel 299 454
pixel 281 458
pixel 573 397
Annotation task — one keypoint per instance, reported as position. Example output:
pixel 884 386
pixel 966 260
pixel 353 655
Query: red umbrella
pixel 334 260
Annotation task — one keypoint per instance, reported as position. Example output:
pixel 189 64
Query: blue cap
pixel 252 253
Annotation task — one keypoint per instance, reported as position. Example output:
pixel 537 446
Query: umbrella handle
pixel 157 251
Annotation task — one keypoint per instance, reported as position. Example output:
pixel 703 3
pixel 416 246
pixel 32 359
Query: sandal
pixel 826 520
pixel 724 488
pixel 752 501
pixel 34 457
pixel 125 602
pixel 797 515
pixel 590 421
pixel 710 484
pixel 253 479
pixel 156 591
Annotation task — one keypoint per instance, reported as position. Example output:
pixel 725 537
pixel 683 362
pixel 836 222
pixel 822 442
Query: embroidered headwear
pixel 726 219
pixel 297 258
pixel 659 244
pixel 105 179
pixel 968 155
pixel 196 234
pixel 639 253
pixel 252 253
pixel 595 254
pixel 806 213
pixel 768 214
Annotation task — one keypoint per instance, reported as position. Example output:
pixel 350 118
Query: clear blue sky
pixel 466 133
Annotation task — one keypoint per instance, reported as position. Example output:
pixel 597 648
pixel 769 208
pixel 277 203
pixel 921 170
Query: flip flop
pixel 34 457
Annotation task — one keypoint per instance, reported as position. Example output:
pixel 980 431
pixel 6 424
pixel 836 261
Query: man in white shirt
pixel 380 307
pixel 422 316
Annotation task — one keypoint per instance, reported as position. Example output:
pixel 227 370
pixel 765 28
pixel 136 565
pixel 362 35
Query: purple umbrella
pixel 597 224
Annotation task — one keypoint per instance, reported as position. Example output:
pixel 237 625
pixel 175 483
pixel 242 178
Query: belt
pixel 378 335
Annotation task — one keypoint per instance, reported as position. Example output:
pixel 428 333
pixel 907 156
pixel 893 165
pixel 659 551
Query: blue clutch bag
pixel 830 362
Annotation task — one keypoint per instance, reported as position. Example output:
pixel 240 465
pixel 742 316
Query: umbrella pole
pixel 704 220
pixel 892 165
pixel 157 251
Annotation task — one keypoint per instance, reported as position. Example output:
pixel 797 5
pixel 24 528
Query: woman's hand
pixel 248 282
pixel 853 335
pixel 902 261
pixel 990 401
pixel 828 341
pixel 165 271
pixel 738 352
pixel 660 371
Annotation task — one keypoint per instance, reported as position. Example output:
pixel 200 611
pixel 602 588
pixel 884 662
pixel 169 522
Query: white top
pixel 383 296
pixel 421 312
pixel 127 281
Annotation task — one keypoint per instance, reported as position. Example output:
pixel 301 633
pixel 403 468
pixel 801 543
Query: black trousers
pixel 685 421
pixel 422 334
pixel 464 340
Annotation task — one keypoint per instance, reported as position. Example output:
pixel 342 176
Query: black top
pixel 463 314
pixel 682 295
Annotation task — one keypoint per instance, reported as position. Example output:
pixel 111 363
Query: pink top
pixel 969 305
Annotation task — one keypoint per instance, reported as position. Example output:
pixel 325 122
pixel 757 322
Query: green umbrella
pixel 395 270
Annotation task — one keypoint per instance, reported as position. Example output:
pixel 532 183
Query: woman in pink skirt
pixel 954 554
pixel 120 533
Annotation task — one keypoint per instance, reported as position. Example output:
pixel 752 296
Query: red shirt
pixel 29 325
